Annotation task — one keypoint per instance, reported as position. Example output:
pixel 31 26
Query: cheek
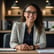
pixel 25 15
pixel 35 17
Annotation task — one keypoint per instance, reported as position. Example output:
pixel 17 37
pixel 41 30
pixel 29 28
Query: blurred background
pixel 11 10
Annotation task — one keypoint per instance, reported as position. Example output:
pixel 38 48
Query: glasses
pixel 29 12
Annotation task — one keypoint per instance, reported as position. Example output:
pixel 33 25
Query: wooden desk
pixel 24 52
pixel 20 52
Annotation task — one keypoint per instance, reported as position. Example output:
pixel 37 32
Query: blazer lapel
pixel 20 32
pixel 23 31
pixel 35 34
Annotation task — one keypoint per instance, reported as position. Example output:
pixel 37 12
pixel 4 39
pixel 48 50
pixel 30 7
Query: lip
pixel 31 18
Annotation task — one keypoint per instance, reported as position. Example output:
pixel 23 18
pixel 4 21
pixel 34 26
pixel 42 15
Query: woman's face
pixel 30 14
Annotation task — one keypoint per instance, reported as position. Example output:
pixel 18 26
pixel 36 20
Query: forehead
pixel 31 8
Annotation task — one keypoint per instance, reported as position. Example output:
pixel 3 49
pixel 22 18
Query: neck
pixel 29 24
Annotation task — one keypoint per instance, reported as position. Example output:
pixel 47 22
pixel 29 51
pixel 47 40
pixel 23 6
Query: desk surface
pixel 20 52
pixel 27 52
pixel 14 51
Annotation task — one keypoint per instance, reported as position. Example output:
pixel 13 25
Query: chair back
pixel 6 40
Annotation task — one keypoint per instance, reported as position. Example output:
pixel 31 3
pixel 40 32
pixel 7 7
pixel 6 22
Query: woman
pixel 29 34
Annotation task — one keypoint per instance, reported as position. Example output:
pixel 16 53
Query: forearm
pixel 41 45
pixel 13 45
pixel 33 47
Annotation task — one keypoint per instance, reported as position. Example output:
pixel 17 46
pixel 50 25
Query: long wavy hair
pixel 39 21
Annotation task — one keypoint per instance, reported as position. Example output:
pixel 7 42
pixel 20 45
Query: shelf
pixel 13 15
pixel 49 15
pixel 7 31
pixel 48 11
pixel 49 32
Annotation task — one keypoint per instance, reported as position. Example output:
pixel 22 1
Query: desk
pixel 20 52
pixel 25 52
pixel 14 51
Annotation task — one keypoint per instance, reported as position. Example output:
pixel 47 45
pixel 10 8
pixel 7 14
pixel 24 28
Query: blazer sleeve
pixel 42 41
pixel 13 38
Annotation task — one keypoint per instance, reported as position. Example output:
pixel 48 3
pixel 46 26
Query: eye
pixel 28 11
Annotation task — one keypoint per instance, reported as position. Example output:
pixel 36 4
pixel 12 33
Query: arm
pixel 42 41
pixel 13 38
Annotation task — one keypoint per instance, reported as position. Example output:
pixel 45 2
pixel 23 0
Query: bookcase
pixel 13 14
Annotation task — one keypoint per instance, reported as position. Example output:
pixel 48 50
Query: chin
pixel 32 21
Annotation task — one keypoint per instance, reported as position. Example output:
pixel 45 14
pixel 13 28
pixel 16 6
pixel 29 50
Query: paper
pixel 7 50
pixel 45 50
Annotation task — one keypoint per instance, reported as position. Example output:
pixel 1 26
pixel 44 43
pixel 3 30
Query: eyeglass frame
pixel 29 12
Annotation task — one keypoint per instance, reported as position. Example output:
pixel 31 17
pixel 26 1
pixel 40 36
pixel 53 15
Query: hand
pixel 36 46
pixel 23 47
pixel 31 47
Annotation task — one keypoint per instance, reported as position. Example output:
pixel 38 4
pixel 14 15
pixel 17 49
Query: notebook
pixel 45 50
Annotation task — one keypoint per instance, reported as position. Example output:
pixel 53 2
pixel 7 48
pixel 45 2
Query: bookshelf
pixel 47 13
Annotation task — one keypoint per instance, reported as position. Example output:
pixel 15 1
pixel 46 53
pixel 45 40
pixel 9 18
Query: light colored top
pixel 17 35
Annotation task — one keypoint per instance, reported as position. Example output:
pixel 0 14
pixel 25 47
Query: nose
pixel 31 14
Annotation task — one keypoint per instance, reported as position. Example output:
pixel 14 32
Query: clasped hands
pixel 24 47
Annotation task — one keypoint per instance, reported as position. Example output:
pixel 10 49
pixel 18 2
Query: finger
pixel 23 47
pixel 28 47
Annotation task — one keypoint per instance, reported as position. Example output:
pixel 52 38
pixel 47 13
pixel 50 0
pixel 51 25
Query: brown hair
pixel 39 21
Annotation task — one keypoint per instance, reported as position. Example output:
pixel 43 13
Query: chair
pixel 50 40
pixel 6 40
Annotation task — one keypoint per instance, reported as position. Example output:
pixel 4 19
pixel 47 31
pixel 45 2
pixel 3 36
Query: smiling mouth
pixel 31 18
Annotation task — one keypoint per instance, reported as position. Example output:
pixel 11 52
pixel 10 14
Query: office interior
pixel 9 14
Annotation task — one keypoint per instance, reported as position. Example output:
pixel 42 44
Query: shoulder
pixel 43 31
pixel 18 23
